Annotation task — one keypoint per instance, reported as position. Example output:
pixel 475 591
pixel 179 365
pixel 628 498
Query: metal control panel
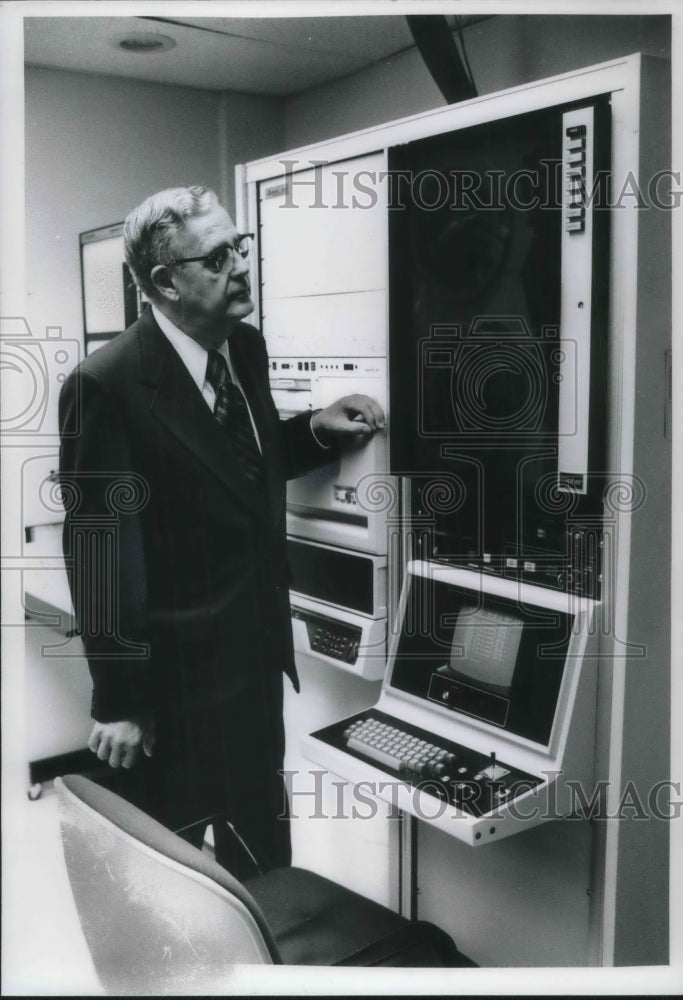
pixel 330 637
pixel 339 637
pixel 449 772
pixel 343 503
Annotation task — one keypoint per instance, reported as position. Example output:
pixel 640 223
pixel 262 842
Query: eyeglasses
pixel 217 260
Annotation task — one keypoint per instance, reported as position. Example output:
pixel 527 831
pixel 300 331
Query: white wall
pixel 504 51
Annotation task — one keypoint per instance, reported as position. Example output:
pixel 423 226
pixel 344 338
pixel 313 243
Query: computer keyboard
pixel 411 756
pixel 456 774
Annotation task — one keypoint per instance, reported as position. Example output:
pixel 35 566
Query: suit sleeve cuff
pixel 116 697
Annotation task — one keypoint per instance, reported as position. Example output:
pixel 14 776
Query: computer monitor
pixel 493 657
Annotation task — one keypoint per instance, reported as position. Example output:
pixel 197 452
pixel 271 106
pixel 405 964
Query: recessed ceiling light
pixel 142 43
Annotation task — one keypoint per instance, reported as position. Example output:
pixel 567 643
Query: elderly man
pixel 187 681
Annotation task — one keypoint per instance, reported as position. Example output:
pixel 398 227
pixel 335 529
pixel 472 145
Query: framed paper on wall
pixel 111 301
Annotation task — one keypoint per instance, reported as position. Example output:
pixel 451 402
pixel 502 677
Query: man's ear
pixel 162 279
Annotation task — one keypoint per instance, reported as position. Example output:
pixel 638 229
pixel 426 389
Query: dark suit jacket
pixel 168 546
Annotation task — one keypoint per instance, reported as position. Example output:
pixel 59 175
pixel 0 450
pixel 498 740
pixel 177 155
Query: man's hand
pixel 120 742
pixel 349 417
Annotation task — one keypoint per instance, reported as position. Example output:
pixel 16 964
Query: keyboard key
pixel 388 758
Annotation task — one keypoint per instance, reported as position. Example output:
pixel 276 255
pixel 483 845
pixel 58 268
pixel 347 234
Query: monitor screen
pixel 484 647
pixel 483 656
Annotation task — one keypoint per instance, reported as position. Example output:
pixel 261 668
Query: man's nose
pixel 240 266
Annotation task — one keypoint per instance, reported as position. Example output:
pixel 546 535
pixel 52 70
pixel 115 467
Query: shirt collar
pixel 192 354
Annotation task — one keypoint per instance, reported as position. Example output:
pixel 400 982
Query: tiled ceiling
pixel 260 55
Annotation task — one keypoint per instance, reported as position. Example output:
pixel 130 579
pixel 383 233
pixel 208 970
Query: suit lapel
pixel 176 401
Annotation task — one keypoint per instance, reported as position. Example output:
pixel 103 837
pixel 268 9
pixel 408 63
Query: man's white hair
pixel 149 229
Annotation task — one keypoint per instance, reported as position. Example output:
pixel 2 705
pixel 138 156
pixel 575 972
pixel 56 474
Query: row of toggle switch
pixel 576 178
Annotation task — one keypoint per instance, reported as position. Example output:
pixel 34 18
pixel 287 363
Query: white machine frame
pixel 639 346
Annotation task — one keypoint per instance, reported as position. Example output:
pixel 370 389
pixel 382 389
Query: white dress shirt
pixel 195 358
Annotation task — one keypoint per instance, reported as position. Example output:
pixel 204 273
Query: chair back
pixel 159 916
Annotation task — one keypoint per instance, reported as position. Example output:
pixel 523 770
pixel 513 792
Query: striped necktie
pixel 230 411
